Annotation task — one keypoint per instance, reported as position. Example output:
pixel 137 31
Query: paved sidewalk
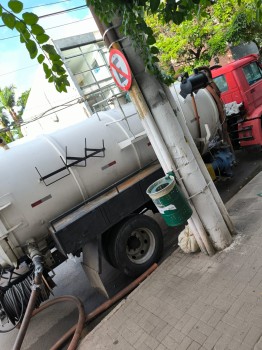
pixel 195 302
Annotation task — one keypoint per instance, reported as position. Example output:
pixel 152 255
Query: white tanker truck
pixel 83 189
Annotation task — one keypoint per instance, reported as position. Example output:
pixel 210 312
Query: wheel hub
pixel 140 245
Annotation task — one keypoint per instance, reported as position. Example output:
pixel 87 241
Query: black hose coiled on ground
pixel 14 300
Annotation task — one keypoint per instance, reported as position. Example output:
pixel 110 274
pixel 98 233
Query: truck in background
pixel 240 85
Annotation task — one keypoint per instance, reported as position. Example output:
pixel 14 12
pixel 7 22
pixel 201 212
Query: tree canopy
pixel 134 25
pixel 9 119
pixel 194 42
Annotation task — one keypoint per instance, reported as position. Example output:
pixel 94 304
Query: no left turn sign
pixel 120 70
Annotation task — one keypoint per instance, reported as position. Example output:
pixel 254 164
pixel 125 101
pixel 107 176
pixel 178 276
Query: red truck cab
pixel 241 82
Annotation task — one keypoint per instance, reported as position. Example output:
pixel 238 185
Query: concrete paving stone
pixel 236 307
pixel 183 321
pixel 147 326
pixel 161 347
pixel 253 335
pixel 160 335
pixel 194 346
pixel 233 344
pixel 197 309
pixel 239 288
pixel 203 328
pixel 224 303
pixel 245 310
pixel 131 337
pixel 197 336
pixel 223 342
pixel 151 342
pixel 210 310
pixel 189 325
pixel 233 321
pixel 212 339
pixel 174 315
pixel 137 345
pixel 176 335
pixel 258 345
pixel 170 343
pixel 241 333
pixel 185 344
pixel 216 317
pixel 226 329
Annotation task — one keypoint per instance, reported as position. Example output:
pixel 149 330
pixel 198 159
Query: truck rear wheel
pixel 135 245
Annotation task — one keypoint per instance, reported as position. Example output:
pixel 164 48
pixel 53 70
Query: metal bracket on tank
pixel 75 161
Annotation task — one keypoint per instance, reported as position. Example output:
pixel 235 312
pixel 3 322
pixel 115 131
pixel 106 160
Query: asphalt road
pixel 47 327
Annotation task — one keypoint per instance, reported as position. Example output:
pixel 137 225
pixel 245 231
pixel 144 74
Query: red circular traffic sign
pixel 120 70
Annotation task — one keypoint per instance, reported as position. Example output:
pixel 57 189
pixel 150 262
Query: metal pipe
pixel 31 304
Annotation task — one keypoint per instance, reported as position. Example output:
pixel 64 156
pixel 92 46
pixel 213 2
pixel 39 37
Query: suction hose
pixel 37 261
pixel 82 319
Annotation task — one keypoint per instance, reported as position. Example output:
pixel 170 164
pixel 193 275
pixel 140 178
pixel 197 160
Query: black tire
pixel 135 245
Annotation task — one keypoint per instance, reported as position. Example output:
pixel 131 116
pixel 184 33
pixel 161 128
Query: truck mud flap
pixel 92 265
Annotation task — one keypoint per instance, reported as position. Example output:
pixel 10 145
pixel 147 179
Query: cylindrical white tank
pixel 29 204
pixel 207 111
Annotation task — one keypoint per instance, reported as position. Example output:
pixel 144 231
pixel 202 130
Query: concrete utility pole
pixel 159 119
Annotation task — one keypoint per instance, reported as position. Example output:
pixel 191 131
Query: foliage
pixel 245 28
pixel 7 101
pixel 22 100
pixel 194 42
pixel 188 30
pixel 134 25
pixel 7 104
pixel 133 13
pixel 33 36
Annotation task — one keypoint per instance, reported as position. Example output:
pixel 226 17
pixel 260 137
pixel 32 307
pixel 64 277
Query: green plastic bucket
pixel 170 201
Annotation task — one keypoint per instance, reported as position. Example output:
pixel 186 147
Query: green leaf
pixel 58 69
pixel 47 70
pixel 150 40
pixel 40 58
pixel 51 79
pixel 25 36
pixel 22 39
pixel 49 49
pixel 155 59
pixel 30 18
pixel 9 20
pixel 42 38
pixel 154 50
pixel 154 4
pixel 1 10
pixel 15 6
pixel 20 27
pixel 37 29
pixel 32 48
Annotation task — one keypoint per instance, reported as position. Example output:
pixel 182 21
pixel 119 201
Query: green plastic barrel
pixel 170 201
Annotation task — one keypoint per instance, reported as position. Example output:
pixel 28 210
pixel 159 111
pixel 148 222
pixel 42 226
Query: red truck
pixel 240 85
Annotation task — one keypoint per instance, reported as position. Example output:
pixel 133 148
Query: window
pixel 252 72
pixel 221 83
pixel 89 65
